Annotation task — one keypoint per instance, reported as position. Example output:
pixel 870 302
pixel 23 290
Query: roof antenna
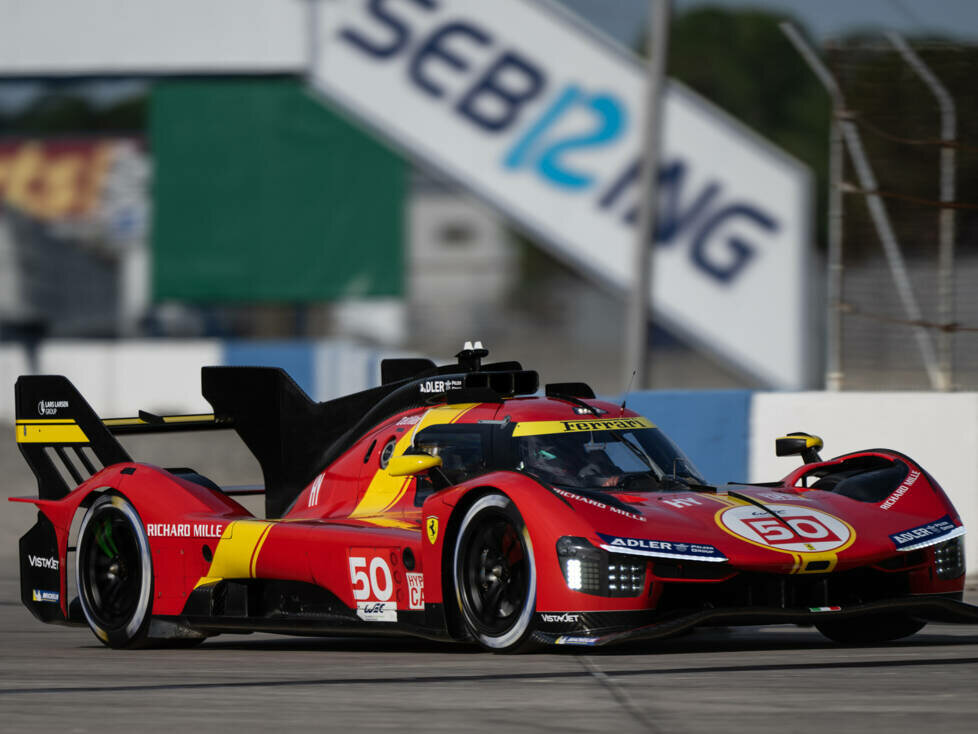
pixel 470 358
pixel 627 390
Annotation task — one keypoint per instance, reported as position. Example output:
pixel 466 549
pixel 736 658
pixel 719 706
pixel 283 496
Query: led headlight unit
pixel 595 571
pixel 949 559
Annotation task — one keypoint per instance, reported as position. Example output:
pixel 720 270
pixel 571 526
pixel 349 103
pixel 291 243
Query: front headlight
pixel 581 563
pixel 949 559
pixel 595 571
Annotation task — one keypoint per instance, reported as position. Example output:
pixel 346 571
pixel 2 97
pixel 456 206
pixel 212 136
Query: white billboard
pixel 54 37
pixel 543 118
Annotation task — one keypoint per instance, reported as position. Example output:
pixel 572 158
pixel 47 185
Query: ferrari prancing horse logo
pixel 431 527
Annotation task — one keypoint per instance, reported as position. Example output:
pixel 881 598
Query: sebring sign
pixel 542 118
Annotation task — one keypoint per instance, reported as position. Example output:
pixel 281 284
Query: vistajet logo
pixel 565 617
pixel 43 562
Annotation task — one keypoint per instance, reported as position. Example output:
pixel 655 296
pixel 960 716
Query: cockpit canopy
pixel 637 458
pixel 626 454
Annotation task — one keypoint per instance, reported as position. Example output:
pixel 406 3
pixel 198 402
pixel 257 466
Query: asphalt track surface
pixel 771 679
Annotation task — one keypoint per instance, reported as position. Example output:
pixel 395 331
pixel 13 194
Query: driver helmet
pixel 549 455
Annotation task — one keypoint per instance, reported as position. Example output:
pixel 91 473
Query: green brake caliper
pixel 103 536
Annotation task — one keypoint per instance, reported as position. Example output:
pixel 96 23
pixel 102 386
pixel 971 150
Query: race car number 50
pixel 376 584
pixel 373 586
pixel 794 530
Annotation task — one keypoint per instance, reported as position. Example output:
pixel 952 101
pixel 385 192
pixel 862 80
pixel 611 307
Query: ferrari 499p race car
pixel 457 503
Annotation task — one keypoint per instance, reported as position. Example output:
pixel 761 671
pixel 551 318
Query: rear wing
pixel 63 440
pixel 152 423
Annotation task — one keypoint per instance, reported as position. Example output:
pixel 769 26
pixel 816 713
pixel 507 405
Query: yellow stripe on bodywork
pixel 803 559
pixel 198 418
pixel 390 522
pixel 50 430
pixel 537 428
pixel 236 555
pixel 384 490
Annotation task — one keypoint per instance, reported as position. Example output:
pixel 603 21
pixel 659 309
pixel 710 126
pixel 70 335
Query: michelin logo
pixel 41 595
pixel 574 640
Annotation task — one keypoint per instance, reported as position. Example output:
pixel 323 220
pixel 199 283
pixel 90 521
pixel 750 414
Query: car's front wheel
pixel 114 572
pixel 871 628
pixel 495 574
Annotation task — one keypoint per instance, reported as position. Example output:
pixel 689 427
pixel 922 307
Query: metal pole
pixel 640 301
pixel 312 40
pixel 834 277
pixel 881 220
pixel 946 224
pixel 834 374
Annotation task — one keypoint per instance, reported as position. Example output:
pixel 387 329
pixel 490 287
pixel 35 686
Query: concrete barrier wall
pixel 13 362
pixel 711 426
pixel 119 378
pixel 163 376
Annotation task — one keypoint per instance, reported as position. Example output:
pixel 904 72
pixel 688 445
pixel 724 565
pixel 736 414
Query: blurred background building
pixel 161 197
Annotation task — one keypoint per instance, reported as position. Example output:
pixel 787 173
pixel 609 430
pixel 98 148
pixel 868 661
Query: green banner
pixel 261 193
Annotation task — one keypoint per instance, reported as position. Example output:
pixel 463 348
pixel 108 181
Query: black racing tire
pixel 871 628
pixel 495 575
pixel 114 572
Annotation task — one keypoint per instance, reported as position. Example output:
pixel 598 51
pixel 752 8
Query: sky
pixel 823 19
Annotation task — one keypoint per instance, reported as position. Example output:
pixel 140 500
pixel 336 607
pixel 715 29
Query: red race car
pixel 456 503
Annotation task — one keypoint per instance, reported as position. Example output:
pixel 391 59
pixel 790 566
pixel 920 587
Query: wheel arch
pixel 530 497
pixel 145 613
pixel 453 619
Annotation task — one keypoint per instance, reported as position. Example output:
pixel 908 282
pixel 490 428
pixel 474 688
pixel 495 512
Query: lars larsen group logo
pixel 50 407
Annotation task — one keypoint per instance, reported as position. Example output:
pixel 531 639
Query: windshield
pixel 642 458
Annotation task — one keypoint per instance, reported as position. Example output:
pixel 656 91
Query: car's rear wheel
pixel 495 575
pixel 871 628
pixel 114 572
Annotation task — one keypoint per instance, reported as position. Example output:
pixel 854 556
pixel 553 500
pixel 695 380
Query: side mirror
pixel 408 465
pixel 799 443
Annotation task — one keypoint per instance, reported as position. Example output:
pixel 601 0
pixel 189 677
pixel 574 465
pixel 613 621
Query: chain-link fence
pixel 900 125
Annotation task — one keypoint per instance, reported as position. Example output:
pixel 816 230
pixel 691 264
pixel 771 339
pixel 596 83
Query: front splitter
pixel 930 608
